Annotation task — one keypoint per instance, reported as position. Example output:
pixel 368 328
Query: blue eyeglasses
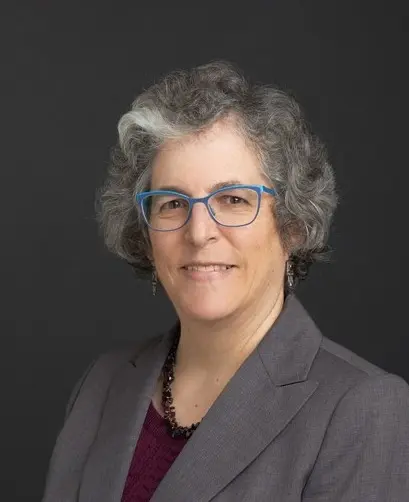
pixel 232 206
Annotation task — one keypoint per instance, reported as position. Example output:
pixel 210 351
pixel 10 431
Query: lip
pixel 207 275
pixel 207 264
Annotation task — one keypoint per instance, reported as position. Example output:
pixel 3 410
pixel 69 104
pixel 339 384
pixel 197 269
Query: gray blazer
pixel 303 419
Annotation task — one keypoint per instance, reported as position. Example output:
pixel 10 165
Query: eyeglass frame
pixel 259 189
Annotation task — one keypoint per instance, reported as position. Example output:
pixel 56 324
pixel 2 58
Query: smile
pixel 207 268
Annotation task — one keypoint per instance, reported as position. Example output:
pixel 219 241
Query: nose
pixel 201 227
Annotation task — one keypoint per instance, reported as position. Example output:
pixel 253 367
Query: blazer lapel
pixel 123 416
pixel 255 406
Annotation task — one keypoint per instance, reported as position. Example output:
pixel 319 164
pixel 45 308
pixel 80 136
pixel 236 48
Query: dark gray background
pixel 70 71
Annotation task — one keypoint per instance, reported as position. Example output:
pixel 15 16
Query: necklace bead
pixel 175 430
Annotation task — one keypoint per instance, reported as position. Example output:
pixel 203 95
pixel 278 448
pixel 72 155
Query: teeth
pixel 208 268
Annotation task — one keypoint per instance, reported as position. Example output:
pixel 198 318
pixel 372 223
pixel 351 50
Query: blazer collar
pixel 260 399
pixel 288 349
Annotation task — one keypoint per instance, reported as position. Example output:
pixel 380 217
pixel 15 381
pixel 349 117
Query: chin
pixel 211 311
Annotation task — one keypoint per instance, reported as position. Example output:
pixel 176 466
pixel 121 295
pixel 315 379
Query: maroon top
pixel 155 452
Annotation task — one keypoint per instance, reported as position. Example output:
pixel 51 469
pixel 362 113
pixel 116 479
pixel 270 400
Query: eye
pixel 234 199
pixel 173 204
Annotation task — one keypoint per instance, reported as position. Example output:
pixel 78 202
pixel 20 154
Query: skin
pixel 223 315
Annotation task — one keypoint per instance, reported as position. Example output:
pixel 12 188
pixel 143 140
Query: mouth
pixel 208 267
pixel 203 273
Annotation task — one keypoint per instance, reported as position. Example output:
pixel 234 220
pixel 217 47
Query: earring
pixel 154 281
pixel 289 269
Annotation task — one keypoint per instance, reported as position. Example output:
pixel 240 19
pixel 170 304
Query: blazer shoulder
pixel 349 361
pixel 102 369
pixel 338 369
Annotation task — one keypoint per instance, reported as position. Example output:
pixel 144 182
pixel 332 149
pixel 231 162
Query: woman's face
pixel 194 166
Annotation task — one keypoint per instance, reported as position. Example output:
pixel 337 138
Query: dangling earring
pixel 289 270
pixel 154 281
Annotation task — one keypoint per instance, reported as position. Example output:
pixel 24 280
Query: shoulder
pixel 357 387
pixel 334 353
pixel 349 385
pixel 96 378
pixel 126 352
pixel 336 364
pixel 382 400
pixel 112 360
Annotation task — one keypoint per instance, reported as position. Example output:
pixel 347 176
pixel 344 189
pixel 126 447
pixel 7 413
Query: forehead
pixel 197 163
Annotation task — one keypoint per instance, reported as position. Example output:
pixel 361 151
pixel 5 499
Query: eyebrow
pixel 213 188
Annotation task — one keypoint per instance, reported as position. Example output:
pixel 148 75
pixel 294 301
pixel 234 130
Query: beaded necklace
pixel 175 430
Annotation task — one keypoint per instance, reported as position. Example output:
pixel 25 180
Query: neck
pixel 215 350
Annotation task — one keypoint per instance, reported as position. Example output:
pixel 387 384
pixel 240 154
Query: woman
pixel 219 190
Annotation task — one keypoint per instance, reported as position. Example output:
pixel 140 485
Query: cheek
pixel 260 237
pixel 263 247
pixel 160 246
pixel 165 248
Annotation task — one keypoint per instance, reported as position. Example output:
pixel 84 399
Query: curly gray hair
pixel 188 102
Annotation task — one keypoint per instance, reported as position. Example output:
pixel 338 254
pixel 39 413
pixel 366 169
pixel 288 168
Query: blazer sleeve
pixel 77 389
pixel 365 452
pixel 80 427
